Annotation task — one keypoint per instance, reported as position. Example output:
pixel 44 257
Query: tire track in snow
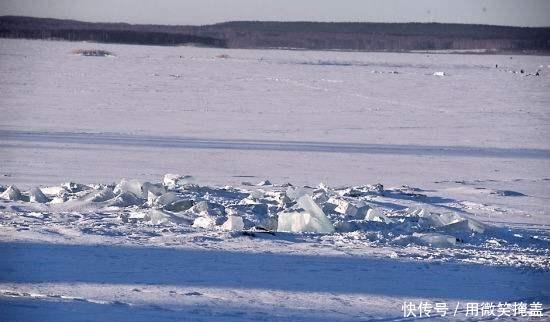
pixel 110 139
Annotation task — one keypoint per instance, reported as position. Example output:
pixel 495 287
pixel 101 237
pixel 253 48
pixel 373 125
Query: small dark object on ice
pixel 508 193
pixel 92 52
pixel 257 230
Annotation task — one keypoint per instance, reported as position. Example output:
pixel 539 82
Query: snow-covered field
pixel 315 186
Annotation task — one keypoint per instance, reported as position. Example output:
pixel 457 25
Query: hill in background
pixel 299 35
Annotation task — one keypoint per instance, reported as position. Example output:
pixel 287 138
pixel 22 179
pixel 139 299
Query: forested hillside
pixel 303 35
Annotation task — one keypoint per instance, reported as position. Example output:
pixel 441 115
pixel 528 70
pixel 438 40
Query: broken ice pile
pixel 308 217
pixel 283 208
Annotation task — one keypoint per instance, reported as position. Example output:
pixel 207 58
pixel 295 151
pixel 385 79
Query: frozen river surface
pixel 474 143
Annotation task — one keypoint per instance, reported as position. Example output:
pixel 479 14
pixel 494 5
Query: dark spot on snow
pixel 193 294
pixel 9 293
pixel 508 193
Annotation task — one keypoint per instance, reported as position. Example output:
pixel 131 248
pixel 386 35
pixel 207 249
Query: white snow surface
pixel 433 188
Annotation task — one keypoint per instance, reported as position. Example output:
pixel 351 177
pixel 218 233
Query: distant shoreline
pixel 428 38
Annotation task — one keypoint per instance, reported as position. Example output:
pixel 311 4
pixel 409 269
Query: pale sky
pixel 182 12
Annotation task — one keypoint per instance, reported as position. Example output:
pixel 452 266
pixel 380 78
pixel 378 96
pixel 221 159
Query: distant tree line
pixel 43 28
pixel 379 36
pixel 114 36
pixel 306 35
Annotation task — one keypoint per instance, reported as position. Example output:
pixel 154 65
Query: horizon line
pixel 277 21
